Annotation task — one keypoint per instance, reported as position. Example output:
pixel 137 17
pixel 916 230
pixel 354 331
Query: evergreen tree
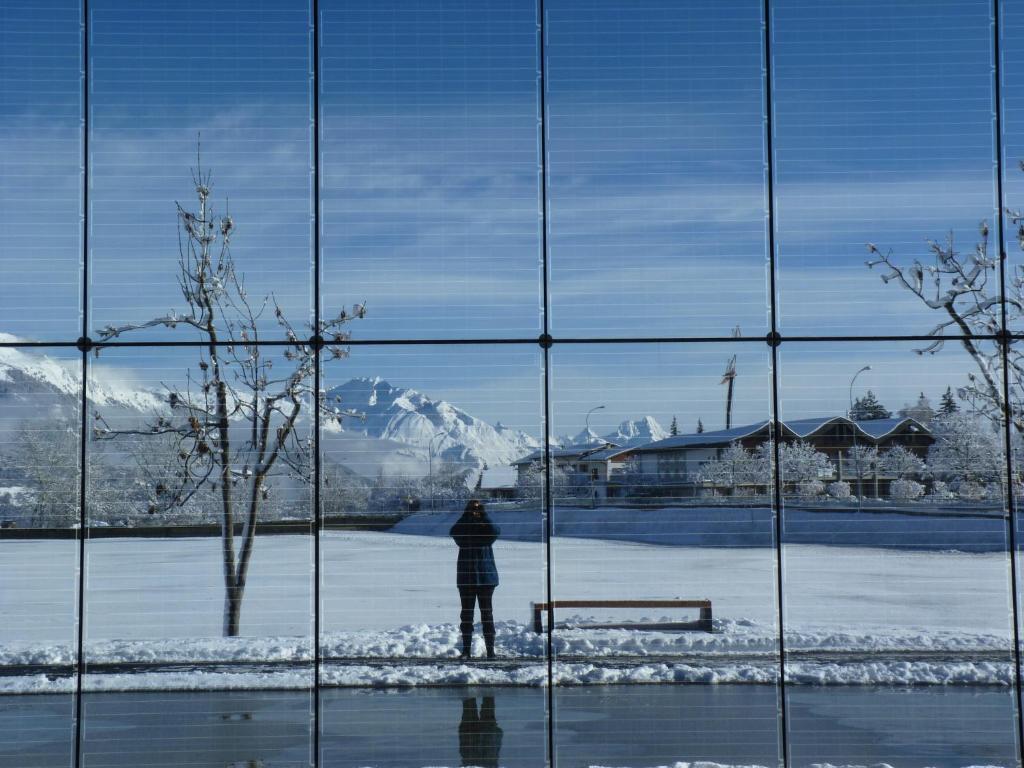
pixel 921 410
pixel 868 408
pixel 700 426
pixel 947 405
pixel 673 427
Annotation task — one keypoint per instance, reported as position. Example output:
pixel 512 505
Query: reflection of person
pixel 479 734
pixel 477 575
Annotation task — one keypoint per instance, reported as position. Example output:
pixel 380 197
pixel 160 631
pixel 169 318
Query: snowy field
pixel 906 616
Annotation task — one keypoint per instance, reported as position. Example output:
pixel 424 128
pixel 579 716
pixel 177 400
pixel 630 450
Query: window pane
pixel 169 605
pixel 41 180
pixel 444 725
pixel 883 134
pixel 1011 50
pixel 199 728
pixel 896 558
pixel 231 78
pixel 656 150
pixel 409 437
pixel 40 426
pixel 430 166
pixel 642 514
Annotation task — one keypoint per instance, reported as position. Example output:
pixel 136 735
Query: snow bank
pixel 458 673
pixel 737 652
pixel 515 640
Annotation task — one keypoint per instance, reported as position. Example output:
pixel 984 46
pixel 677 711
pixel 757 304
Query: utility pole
pixel 729 378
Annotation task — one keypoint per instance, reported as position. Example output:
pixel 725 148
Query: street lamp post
pixel 587 420
pixel 430 465
pixel 593 501
pixel 856 452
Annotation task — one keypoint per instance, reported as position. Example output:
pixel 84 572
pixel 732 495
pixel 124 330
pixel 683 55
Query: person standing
pixel 476 573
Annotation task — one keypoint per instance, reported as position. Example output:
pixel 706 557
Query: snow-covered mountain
pixel 34 384
pixel 402 430
pixel 434 430
pixel 637 432
pixel 629 433
pixel 585 436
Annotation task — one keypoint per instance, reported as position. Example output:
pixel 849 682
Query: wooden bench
pixel 704 624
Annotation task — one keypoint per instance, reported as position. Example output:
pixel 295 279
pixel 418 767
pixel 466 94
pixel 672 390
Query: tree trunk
pixel 233 611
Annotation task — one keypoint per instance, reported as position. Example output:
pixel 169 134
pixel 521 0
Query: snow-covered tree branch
pixel 963 289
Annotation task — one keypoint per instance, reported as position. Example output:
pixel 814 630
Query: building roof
pixel 575 451
pixel 498 477
pixel 607 454
pixel 701 439
pixel 873 431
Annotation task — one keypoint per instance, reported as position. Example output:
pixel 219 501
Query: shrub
pixel 906 489
pixel 941 491
pixel 970 491
pixel 839 489
pixel 810 488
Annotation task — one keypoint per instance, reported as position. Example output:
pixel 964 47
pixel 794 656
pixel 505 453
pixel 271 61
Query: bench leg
pixel 705 619
pixel 538 624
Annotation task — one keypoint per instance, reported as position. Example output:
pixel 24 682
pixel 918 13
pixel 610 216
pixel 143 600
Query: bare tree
pixel 232 423
pixel 963 289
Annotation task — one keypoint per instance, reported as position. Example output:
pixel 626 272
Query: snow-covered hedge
pixel 810 488
pixel 906 489
pixel 840 489
pixel 941 491
pixel 970 491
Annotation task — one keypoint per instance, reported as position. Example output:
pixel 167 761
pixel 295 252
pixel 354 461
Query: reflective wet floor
pixel 624 725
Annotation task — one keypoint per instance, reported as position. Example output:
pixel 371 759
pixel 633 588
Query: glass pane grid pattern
pixel 857 483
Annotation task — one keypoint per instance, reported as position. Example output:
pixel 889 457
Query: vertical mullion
pixel 83 345
pixel 545 342
pixel 774 339
pixel 315 55
pixel 1005 349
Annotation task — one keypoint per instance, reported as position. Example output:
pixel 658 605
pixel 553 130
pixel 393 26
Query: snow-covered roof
pixel 873 430
pixel 572 452
pixel 498 477
pixel 698 439
pixel 606 454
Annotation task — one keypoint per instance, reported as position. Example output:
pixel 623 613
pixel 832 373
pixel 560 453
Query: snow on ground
pixel 392 596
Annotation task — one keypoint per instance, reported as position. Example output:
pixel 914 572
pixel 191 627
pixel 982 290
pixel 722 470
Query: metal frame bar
pixel 774 338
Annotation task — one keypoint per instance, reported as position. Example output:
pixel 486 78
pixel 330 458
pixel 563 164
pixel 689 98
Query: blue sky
pixel 430 172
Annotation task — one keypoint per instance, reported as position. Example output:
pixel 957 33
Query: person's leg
pixel 467 596
pixel 487 618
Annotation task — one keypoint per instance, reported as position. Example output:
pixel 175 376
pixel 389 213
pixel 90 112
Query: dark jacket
pixel 474 536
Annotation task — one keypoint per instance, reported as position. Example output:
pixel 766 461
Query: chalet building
pixel 671 467
pixel 594 468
